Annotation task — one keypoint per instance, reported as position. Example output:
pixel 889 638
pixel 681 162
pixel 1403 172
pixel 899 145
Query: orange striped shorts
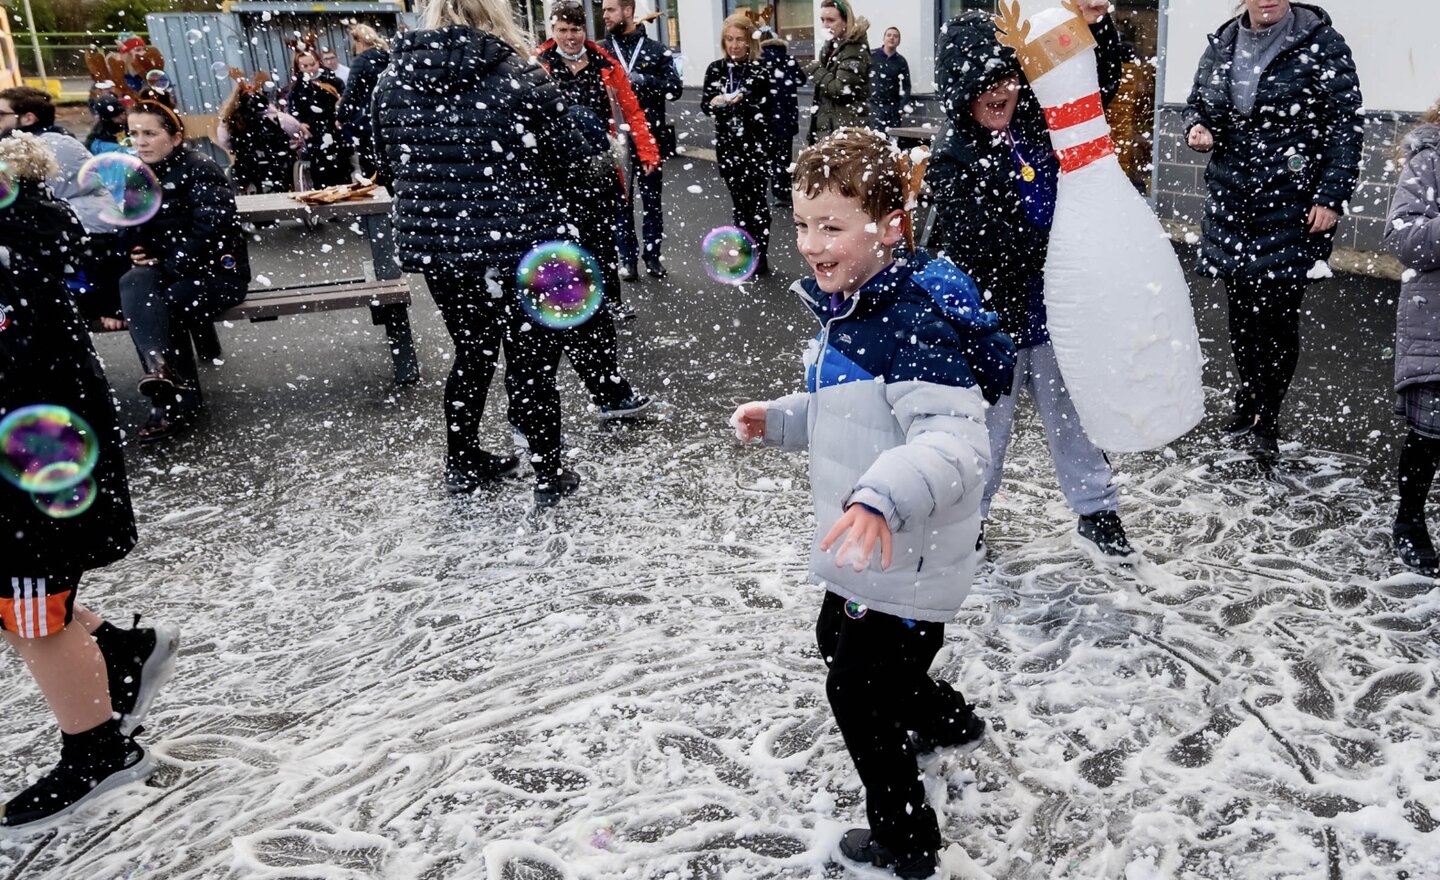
pixel 36 607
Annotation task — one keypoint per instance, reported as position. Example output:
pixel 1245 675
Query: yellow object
pixel 49 85
pixel 1027 172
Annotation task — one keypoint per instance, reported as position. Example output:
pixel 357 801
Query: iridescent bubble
pixel 193 36
pixel 158 80
pixel 220 69
pixel 9 191
pixel 67 502
pixel 730 254
pixel 560 284
pixel 46 448
pixel 130 182
pixel 854 610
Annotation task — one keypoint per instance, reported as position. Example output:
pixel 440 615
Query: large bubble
pixel 730 254
pixel 9 190
pixel 131 183
pixel 46 449
pixel 158 80
pixel 193 36
pixel 69 502
pixel 220 69
pixel 560 284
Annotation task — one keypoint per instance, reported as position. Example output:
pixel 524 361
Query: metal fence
pixel 64 51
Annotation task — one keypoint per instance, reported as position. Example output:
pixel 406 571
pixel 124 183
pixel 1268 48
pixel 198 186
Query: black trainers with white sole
pixel 138 663
pixel 630 406
pixel 91 763
pixel 1103 537
pixel 967 739
pixel 858 845
pixel 549 492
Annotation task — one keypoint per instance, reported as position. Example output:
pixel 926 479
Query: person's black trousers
pixel 747 178
pixel 1265 339
pixel 879 687
pixel 481 325
pixel 653 213
pixel 780 153
pixel 593 348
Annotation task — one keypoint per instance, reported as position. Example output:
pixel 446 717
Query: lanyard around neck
pixel 634 56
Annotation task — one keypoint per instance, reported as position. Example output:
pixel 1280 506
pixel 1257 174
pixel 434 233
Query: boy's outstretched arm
pixel 939 405
pixel 784 422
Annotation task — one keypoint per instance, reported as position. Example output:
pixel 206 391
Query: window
pixel 794 19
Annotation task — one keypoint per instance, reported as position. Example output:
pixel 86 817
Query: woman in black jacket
pixel 475 138
pixel 371 55
pixel 314 99
pixel 49 542
pixel 190 263
pixel 1277 99
pixel 737 93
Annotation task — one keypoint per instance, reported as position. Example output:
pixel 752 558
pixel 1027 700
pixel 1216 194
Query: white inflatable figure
pixel 1117 303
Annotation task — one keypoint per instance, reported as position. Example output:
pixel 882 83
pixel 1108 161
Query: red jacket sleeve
pixel 616 80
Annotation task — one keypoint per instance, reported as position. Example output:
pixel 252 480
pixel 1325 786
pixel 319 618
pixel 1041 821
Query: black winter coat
pixel 786 78
pixel 653 75
pixel 477 141
pixel 196 233
pixel 46 358
pixel 1299 147
pixel 365 71
pixel 980 221
pixel 742 129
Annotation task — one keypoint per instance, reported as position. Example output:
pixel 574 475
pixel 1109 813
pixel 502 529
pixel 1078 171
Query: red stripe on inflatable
pixel 1077 111
pixel 1077 157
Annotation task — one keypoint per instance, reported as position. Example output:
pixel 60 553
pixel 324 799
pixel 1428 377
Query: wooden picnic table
pixel 381 287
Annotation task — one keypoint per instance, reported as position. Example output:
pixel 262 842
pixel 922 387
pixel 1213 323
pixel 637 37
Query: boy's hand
pixel 749 421
pixel 864 527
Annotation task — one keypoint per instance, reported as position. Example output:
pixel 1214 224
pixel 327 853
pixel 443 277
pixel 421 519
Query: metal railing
pixel 64 51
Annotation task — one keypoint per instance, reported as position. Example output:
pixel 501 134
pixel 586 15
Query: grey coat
pixel 1412 233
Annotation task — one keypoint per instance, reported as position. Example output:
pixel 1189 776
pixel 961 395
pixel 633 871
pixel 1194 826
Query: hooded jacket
pixel 1299 147
pixel 897 383
pixel 742 129
pixel 982 222
pixel 1412 233
pixel 841 73
pixel 621 98
pixel 89 197
pixel 786 78
pixel 46 358
pixel 477 141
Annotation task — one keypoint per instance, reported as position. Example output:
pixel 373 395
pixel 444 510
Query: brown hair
pixel 28 99
pixel 863 165
pixel 568 12
pixel 168 120
pixel 1429 117
pixel 741 22
pixel 301 53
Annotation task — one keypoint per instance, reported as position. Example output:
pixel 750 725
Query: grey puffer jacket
pixel 87 199
pixel 898 382
pixel 1412 233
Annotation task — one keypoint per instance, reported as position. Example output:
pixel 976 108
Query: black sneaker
pixel 1103 537
pixel 138 662
pixel 620 312
pixel 1264 443
pixel 488 467
pixel 1239 425
pixel 655 267
pixel 629 273
pixel 76 779
pixel 549 493
pixel 630 406
pixel 1414 547
pixel 966 739
pixel 858 846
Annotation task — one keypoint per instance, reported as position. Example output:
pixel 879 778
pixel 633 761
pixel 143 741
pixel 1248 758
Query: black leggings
pixel 1265 338
pixel 482 324
pixel 880 687
pixel 747 179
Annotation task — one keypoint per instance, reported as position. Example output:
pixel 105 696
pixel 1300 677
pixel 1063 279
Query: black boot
pixel 549 490
pixel 466 473
pixel 91 763
pixel 1414 547
pixel 859 846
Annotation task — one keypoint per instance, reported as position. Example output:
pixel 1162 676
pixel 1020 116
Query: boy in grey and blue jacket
pixel 897 384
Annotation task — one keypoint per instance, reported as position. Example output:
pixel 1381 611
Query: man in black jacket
pixel 651 69
pixel 889 82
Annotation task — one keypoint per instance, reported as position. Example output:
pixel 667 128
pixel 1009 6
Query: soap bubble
pixel 130 182
pixel 854 610
pixel 46 448
pixel 730 254
pixel 9 190
pixel 158 80
pixel 69 502
pixel 560 284
pixel 193 36
pixel 220 69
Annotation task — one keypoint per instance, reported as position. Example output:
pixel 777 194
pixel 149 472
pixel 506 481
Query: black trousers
pixel 880 687
pixel 160 310
pixel 593 348
pixel 747 179
pixel 482 324
pixel 1265 338
pixel 780 153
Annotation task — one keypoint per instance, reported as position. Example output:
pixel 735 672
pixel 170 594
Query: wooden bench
pixel 382 290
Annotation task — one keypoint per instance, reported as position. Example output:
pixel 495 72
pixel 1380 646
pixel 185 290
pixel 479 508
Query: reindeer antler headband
pixel 1048 51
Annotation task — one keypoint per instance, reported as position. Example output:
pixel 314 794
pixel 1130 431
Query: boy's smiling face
pixel 844 246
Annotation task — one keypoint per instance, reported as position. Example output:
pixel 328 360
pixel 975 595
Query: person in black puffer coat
pixel 90 671
pixel 314 99
pixel 477 142
pixel 1277 98
pixel 371 57
pixel 994 179
pixel 786 78
pixel 737 93
pixel 190 263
